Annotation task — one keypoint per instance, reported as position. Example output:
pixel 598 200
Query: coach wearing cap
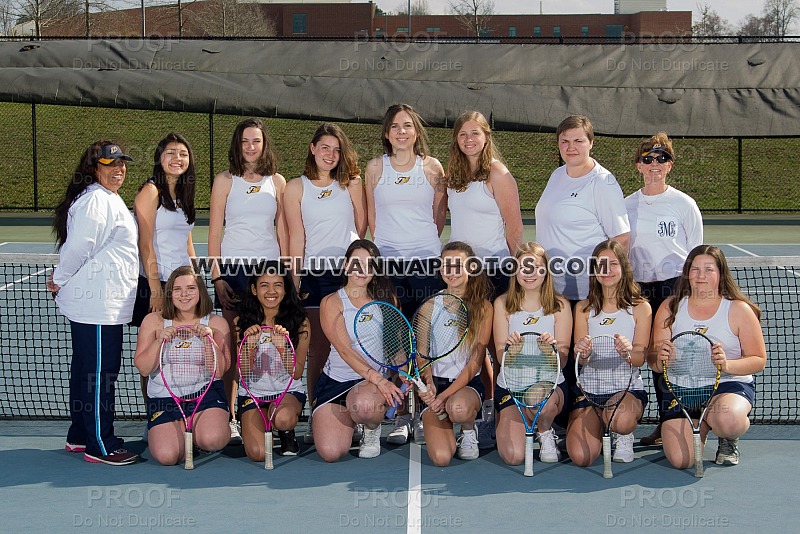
pixel 94 286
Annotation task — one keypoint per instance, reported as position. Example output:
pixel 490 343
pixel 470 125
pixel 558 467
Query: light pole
pixel 409 18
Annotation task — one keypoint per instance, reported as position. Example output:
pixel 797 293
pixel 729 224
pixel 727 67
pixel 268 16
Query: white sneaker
pixel 419 431
pixel 370 443
pixel 548 450
pixel 400 432
pixel 727 451
pixel 358 433
pixel 468 445
pixel 623 448
pixel 236 432
pixel 308 437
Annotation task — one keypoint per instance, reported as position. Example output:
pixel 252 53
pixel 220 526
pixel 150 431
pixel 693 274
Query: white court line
pixel 23 279
pixel 414 519
pixel 740 249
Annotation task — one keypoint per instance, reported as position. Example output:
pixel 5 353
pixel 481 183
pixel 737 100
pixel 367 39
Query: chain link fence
pixel 40 146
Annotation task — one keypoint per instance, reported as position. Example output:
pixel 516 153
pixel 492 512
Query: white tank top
pixel 404 225
pixel 250 220
pixel 155 385
pixel 170 235
pixel 475 219
pixel 524 321
pixel 329 221
pixel 717 329
pixel 336 368
pixel 620 322
pixel 453 364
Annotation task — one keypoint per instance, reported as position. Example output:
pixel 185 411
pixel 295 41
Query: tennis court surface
pixel 46 489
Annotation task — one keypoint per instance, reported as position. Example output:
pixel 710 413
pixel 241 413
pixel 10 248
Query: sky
pixel 733 10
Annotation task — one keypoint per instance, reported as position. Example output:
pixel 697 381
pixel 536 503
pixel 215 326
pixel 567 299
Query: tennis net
pixel 36 350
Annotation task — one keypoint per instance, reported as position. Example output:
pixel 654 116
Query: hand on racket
pixel 187 366
pixel 604 375
pixel 692 373
pixel 530 368
pixel 266 371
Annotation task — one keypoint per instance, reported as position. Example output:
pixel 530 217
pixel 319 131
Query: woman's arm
pixel 643 316
pixel 744 324
pixel 281 230
pixel 219 198
pixel 500 324
pixel 356 189
pixel 661 347
pixel 145 206
pixel 371 177
pixel 506 193
pixel 434 172
pixel 292 198
pixel 222 338
pixel 148 344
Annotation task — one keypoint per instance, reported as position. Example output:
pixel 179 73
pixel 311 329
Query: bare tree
pixel 709 23
pixel 473 15
pixel 89 7
pixel 6 19
pixel 781 14
pixel 43 13
pixel 228 18
pixel 753 25
pixel 418 7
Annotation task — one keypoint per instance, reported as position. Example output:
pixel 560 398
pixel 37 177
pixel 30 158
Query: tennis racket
pixel 530 369
pixel 440 324
pixel 188 366
pixel 266 371
pixel 692 379
pixel 604 379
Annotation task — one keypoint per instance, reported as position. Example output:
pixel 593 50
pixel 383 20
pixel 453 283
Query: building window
pixel 537 31
pixel 484 32
pixel 512 31
pixel 403 29
pixel 556 31
pixel 432 30
pixel 614 30
pixel 299 23
pixel 584 31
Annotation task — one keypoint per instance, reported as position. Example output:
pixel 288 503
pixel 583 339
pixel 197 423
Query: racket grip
pixel 188 450
pixel 698 456
pixel 268 450
pixel 607 473
pixel 392 411
pixel 528 456
pixel 424 389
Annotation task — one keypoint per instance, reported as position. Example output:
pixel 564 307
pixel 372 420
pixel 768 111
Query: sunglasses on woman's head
pixel 661 158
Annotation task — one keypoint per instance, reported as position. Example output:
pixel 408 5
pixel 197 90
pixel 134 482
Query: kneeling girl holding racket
pixel 454 385
pixel 272 323
pixel 531 305
pixel 707 301
pixel 184 323
pixel 611 331
pixel 352 389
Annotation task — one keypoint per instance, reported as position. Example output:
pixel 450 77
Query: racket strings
pixel 440 324
pixel 606 372
pixel 384 334
pixel 187 363
pixel 690 373
pixel 531 370
pixel 266 365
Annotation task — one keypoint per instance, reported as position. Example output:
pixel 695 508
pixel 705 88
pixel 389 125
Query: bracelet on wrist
pixel 215 280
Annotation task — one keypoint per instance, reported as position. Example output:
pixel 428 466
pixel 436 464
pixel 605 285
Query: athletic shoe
pixel 419 431
pixel 548 450
pixel 727 451
pixel 236 432
pixel 308 437
pixel 468 445
pixel 400 432
pixel 118 457
pixel 289 446
pixel 653 439
pixel 623 448
pixel 358 434
pixel 370 443
pixel 74 447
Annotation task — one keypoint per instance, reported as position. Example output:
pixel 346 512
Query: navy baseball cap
pixel 109 153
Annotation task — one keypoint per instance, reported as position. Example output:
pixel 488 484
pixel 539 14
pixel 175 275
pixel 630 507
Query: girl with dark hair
pixel 708 300
pixel 325 212
pixel 615 307
pixel 94 285
pixel 454 384
pixel 352 389
pixel 272 300
pixel 247 200
pixel 186 303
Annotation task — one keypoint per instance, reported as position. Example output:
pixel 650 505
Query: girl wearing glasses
pixel 665 225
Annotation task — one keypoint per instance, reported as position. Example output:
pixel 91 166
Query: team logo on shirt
pixel 530 320
pixel 325 193
pixel 666 229
pixel 451 322
pixel 266 337
pixel 462 189
pixel 253 189
pixel 607 321
pixel 402 180
pixel 156 415
pixel 365 318
pixel 183 344
pixel 574 195
pixel 701 329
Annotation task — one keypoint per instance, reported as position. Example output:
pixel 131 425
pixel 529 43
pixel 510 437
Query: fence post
pixel 35 159
pixel 739 186
pixel 211 147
